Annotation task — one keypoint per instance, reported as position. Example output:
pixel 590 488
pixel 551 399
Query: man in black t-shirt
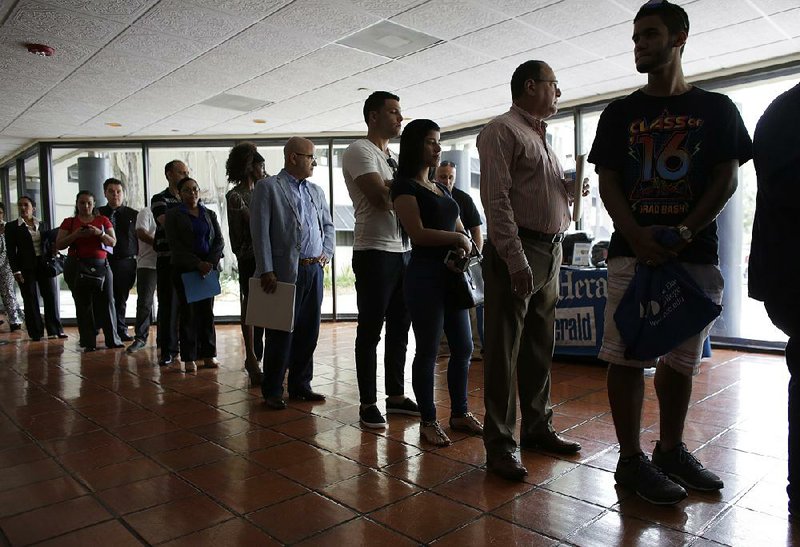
pixel 667 156
pixel 123 260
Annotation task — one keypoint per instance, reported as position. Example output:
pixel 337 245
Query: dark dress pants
pixel 36 283
pixel 519 346
pixel 198 338
pixel 124 270
pixel 295 350
pixel 379 296
pixel 425 287
pixel 88 301
pixel 167 333
pixel 145 288
pixel 785 313
pixel 247 268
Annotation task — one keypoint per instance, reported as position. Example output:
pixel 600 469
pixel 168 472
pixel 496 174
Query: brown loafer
pixel 307 395
pixel 507 466
pixel 550 442
pixel 275 403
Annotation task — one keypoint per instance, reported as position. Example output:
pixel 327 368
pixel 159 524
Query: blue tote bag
pixel 662 308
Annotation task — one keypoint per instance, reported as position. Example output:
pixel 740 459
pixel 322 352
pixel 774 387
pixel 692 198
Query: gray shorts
pixel 684 358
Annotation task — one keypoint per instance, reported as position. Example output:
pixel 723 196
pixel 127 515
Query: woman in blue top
pixel 195 240
pixel 429 217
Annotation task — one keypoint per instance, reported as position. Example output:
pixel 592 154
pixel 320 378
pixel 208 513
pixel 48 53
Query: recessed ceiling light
pixel 259 120
pixel 389 40
pixel 113 124
pixel 235 102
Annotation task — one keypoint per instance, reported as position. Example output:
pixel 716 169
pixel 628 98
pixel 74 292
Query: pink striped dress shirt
pixel 522 183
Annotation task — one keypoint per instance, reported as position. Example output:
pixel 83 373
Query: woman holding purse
pixel 196 242
pixel 89 237
pixel 29 247
pixel 429 217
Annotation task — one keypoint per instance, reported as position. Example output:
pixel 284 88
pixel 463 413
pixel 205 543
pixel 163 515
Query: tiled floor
pixel 106 449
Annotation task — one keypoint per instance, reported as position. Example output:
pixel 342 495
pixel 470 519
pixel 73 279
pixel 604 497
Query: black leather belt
pixel 115 257
pixel 309 261
pixel 540 236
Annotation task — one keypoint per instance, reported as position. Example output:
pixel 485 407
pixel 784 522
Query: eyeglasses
pixel 312 156
pixel 554 82
pixel 447 164
pixel 392 163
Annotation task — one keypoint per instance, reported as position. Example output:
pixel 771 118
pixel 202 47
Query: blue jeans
pixel 295 350
pixel 425 289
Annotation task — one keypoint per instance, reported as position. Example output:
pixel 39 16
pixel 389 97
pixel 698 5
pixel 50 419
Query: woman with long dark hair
pixel 429 217
pixel 196 243
pixel 29 243
pixel 244 167
pixel 89 237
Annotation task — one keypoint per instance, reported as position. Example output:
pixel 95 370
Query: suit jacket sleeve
pixel 12 251
pixel 328 230
pixel 179 236
pixel 218 243
pixel 259 227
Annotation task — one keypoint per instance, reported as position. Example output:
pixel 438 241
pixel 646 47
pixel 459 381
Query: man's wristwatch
pixel 685 233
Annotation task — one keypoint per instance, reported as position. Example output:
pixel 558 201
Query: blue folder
pixel 198 288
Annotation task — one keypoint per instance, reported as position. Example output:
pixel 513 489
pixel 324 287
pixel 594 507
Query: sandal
pixel 432 432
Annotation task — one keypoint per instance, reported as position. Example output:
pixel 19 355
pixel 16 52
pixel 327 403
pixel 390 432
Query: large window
pixel 13 191
pixel 31 184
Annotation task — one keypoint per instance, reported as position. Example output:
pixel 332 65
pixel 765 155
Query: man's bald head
pixel 299 159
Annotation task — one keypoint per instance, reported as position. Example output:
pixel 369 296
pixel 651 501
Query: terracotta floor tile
pixel 543 468
pixel 236 532
pixel 361 532
pixel 489 530
pixel 177 518
pixel 81 442
pixel 167 441
pixel 281 520
pixel 121 473
pixel 615 529
pixel 266 417
pixel 107 533
pixel 204 417
pixel 427 470
pixel 221 430
pixel 306 427
pixel 32 496
pixel 692 515
pixel 482 490
pixel 425 516
pixel 381 452
pixel 99 457
pixel 234 467
pixel 192 455
pixel 53 520
pixel 28 473
pixel 254 439
pixel 548 513
pixel 767 496
pixel 468 450
pixel 745 527
pixel 728 460
pixel 342 438
pixel 284 455
pixel 589 484
pixel 318 473
pixel 24 453
pixel 146 493
pixel 252 493
pixel 369 491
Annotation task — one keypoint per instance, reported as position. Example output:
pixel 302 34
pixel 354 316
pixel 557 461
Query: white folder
pixel 271 310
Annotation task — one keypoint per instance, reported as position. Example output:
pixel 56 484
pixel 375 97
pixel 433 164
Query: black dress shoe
pixel 36 338
pixel 15 326
pixel 125 337
pixel 550 442
pixel 507 466
pixel 115 346
pixel 307 395
pixel 165 360
pixel 275 403
pixel 89 349
pixel 61 335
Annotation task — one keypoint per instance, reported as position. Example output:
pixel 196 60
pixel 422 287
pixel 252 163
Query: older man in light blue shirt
pixel 293 239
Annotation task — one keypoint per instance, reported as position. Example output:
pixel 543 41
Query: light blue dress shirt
pixel 311 236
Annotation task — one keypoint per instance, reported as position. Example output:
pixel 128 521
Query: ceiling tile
pixel 789 21
pixel 445 58
pixel 615 39
pixel 143 42
pixel 515 8
pixel 570 18
pixel 705 15
pixel 449 18
pixel 180 18
pixel 327 21
pixel 557 56
pixel 732 38
pixel 48 20
pixel 248 9
pixel 384 9
pixel 118 10
pixel 504 39
pixel 774 6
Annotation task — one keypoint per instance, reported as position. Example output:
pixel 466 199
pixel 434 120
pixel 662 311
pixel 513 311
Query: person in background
pixel 88 235
pixel 293 240
pixel 167 334
pixel 196 243
pixel 123 259
pixel 7 292
pixel 471 220
pixel 244 167
pixel 29 242
pixel 776 156
pixel 429 217
pixel 146 278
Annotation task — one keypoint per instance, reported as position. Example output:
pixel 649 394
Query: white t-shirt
pixel 147 256
pixel 374 229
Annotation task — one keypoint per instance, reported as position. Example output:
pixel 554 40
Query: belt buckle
pixel 558 238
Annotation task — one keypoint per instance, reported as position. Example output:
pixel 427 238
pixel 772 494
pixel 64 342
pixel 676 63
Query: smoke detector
pixel 40 49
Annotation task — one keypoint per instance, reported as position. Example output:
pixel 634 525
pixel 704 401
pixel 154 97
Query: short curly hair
pixel 242 161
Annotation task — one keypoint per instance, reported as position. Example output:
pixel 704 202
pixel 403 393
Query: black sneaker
pixel 136 346
pixel 684 468
pixel 371 417
pixel 407 407
pixel 639 474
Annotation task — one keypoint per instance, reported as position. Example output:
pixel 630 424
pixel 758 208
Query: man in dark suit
pixel 293 239
pixel 123 260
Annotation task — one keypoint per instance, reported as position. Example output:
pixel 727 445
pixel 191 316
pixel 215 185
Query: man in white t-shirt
pixel 379 261
pixel 145 278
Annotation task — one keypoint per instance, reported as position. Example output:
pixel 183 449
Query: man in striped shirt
pixel 525 198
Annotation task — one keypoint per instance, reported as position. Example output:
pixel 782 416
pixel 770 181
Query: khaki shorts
pixel 684 358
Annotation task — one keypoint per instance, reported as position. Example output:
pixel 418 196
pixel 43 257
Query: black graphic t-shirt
pixel 436 212
pixel 665 149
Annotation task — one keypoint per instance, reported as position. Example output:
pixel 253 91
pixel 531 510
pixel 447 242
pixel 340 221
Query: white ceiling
pixel 147 64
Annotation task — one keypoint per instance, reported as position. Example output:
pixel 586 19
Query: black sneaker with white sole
pixel 638 473
pixel 371 417
pixel 407 407
pixel 682 467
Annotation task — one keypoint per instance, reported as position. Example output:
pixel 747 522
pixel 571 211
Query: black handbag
pixel 466 288
pixel 53 265
pixel 90 276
